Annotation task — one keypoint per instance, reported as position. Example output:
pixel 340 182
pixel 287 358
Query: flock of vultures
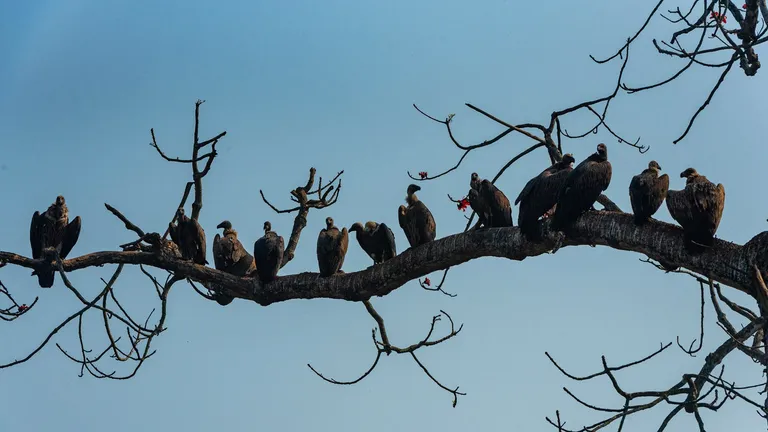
pixel 560 192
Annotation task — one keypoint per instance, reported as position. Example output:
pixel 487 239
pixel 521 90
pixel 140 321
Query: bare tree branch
pixel 385 347
pixel 327 194
pixel 724 262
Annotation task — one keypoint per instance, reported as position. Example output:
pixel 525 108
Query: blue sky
pixel 330 84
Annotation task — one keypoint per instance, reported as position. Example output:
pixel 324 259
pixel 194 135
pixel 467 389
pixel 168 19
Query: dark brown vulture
pixel 331 248
pixel 647 191
pixel 51 231
pixel 268 254
pixel 698 209
pixel 230 256
pixel 490 203
pixel 190 237
pixel 416 220
pixel 582 187
pixel 376 239
pixel 540 194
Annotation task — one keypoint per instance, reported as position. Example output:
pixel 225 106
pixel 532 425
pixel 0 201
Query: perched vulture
pixel 230 256
pixel 189 236
pixel 698 209
pixel 647 191
pixel 376 239
pixel 52 229
pixel 331 248
pixel 268 254
pixel 582 187
pixel 490 204
pixel 540 194
pixel 416 220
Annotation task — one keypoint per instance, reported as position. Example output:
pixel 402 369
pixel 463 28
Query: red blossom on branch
pixel 744 6
pixel 423 174
pixel 23 308
pixel 719 18
pixel 463 204
pixel 427 282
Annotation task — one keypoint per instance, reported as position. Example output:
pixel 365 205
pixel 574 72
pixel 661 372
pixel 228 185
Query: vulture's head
pixel 654 165
pixel 689 173
pixel 227 225
pixel 412 188
pixel 568 159
pixel 357 226
pixel 602 150
pixel 329 222
pixel 60 208
pixel 267 227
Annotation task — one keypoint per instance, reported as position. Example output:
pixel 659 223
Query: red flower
pixel 744 6
pixel 719 18
pixel 427 281
pixel 463 204
pixel 23 307
pixel 423 174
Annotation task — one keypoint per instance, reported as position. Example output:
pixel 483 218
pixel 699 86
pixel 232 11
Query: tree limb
pixel 724 262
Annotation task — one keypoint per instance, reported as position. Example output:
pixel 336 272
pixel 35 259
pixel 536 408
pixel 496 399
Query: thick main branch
pixel 724 262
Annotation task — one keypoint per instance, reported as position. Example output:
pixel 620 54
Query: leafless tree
pixel 716 44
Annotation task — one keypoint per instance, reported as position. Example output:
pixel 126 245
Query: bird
pixel 582 187
pixel 268 254
pixel 416 220
pixel 540 195
pixel 490 203
pixel 331 248
pixel 647 191
pixel 230 256
pixel 376 239
pixel 52 231
pixel 698 209
pixel 189 236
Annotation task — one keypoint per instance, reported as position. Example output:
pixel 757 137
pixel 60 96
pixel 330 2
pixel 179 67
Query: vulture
pixel 268 254
pixel 331 248
pixel 490 203
pixel 230 256
pixel 189 236
pixel 376 239
pixel 416 220
pixel 52 229
pixel 698 209
pixel 540 195
pixel 647 191
pixel 582 187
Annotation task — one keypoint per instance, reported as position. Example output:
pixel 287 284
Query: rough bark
pixel 725 262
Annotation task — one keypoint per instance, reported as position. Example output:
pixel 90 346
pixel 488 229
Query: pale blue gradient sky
pixel 330 84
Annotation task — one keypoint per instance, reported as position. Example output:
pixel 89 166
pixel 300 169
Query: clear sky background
pixel 330 84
